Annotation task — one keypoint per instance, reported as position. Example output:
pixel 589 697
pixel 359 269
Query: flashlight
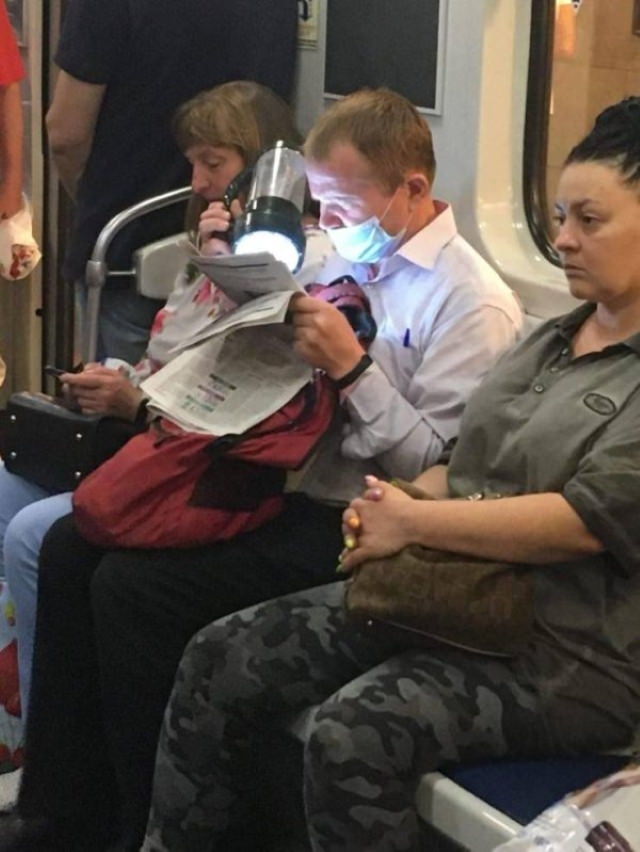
pixel 272 218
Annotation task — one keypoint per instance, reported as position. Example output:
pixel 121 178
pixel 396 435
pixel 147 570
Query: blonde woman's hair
pixel 241 115
pixel 384 127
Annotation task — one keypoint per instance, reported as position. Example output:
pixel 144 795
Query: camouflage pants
pixel 386 716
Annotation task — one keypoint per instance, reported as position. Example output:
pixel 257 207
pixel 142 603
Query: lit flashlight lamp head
pixel 272 218
pixel 274 225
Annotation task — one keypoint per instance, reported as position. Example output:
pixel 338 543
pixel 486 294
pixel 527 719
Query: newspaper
pixel 260 286
pixel 264 310
pixel 229 382
pixel 235 371
pixel 243 277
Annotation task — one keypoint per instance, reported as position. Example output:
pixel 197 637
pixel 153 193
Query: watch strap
pixel 349 378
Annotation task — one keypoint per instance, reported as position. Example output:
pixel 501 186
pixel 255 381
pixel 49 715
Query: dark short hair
pixel 613 140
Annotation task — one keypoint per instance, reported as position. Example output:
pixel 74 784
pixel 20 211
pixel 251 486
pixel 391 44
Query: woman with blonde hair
pixel 221 132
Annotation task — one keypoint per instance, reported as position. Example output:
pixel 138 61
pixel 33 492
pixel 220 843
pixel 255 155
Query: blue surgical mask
pixel 367 242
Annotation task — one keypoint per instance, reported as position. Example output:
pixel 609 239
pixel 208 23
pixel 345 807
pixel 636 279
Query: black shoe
pixel 32 834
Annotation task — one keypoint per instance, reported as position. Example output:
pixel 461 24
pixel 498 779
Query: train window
pixel 383 48
pixel 585 54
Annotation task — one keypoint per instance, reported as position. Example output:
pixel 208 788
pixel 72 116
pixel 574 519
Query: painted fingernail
pixel 354 522
pixel 350 542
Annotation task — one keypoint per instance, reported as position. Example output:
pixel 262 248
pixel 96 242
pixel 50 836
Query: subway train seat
pixel 477 806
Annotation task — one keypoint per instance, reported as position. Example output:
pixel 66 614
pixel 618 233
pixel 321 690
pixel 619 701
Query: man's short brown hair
pixel 384 127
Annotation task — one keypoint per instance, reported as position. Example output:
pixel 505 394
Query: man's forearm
pixel 387 427
pixel 70 163
pixel 434 481
pixel 71 123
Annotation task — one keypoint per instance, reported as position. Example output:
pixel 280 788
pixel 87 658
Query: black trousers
pixel 111 628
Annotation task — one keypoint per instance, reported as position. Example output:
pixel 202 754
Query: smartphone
pixel 50 370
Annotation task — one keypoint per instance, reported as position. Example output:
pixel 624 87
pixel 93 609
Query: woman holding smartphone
pixel 221 132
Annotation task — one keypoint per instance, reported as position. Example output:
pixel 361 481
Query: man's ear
pixel 419 186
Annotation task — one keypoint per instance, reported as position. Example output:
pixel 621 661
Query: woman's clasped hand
pixel 372 530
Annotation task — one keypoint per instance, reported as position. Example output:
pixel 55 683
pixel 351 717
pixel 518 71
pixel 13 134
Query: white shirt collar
pixel 424 247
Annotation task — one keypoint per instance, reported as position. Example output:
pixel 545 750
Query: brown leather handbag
pixel 434 596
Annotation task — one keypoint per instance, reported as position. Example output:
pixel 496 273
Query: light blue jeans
pixel 26 513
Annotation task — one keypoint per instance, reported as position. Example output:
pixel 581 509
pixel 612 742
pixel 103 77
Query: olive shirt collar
pixel 569 324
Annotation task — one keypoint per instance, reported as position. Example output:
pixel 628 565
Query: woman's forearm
pixel 536 528
pixel 434 481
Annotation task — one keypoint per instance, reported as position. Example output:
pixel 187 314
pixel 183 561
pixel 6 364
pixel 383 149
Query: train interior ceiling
pixel 512 86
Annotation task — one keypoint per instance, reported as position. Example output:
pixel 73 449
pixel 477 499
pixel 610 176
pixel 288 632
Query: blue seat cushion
pixel 522 789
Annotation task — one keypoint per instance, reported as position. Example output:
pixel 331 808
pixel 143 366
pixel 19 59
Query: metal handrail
pixel 96 269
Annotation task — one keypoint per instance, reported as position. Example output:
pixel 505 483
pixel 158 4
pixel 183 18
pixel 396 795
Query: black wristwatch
pixel 349 378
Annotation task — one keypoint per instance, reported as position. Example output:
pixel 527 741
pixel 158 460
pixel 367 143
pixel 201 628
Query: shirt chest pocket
pixel 394 351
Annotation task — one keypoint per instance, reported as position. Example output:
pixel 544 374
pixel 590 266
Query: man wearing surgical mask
pixel 443 313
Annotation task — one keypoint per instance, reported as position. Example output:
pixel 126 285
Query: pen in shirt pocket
pixel 406 340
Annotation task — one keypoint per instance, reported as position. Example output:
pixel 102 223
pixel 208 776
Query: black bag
pixel 55 447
